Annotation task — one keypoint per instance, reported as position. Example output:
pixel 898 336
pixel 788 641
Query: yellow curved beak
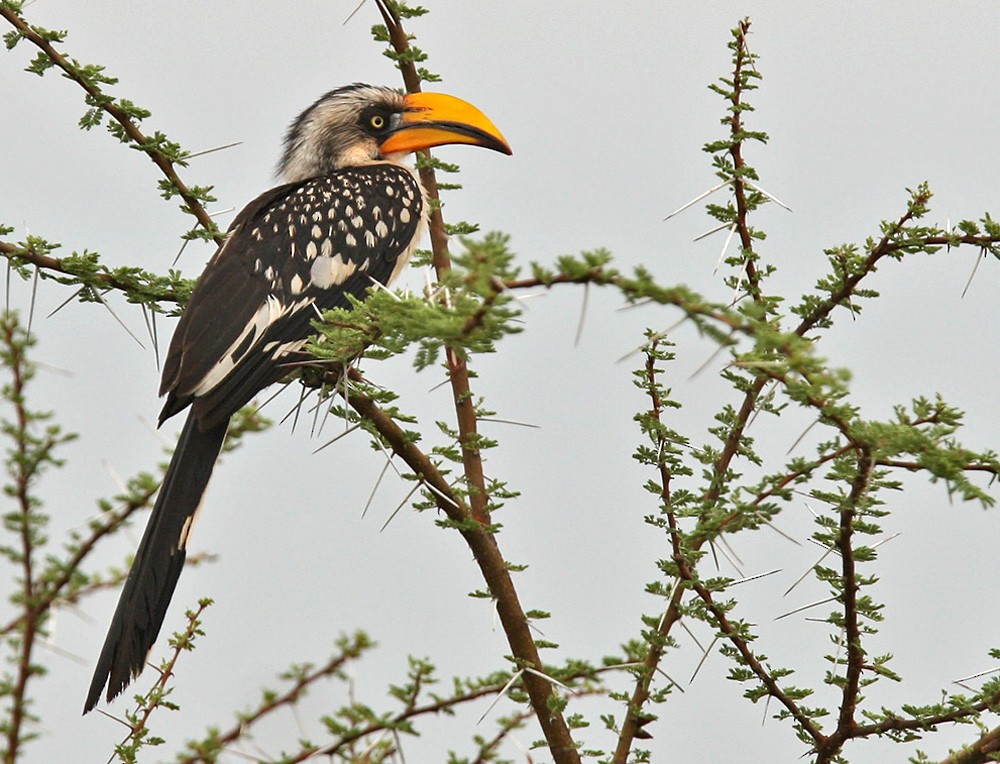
pixel 434 119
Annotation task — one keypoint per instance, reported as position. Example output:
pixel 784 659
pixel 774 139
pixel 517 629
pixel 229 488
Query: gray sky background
pixel 606 107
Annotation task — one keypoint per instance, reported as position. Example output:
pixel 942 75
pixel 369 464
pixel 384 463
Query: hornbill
pixel 348 215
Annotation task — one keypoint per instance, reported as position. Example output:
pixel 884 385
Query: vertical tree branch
pixel 739 165
pixel 22 466
pixel 26 459
pixel 846 723
pixel 458 372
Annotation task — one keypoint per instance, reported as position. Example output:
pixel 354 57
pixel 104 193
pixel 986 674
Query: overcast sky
pixel 606 108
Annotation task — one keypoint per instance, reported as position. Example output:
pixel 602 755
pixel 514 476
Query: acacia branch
pixel 492 565
pixel 153 699
pixel 983 750
pixel 885 247
pixel 23 465
pixel 458 372
pixel 301 684
pixel 720 467
pixel 742 58
pixel 139 140
pixel 635 717
pixel 134 288
pixel 477 534
pixel 727 628
pixel 50 593
pixel 915 466
pixel 846 724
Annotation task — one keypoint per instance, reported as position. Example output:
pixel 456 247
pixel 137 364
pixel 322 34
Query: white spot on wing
pixel 330 271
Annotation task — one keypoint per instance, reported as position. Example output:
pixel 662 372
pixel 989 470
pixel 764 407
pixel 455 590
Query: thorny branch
pixel 349 650
pixel 458 372
pixel 727 628
pixel 852 626
pixel 156 695
pixel 471 515
pixel 97 279
pixel 640 694
pixel 635 717
pixel 742 60
pixel 983 750
pixel 491 564
pixel 53 591
pixel 478 536
pixel 892 242
pixel 24 472
pixel 72 72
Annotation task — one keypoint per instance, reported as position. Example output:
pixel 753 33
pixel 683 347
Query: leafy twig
pixel 482 543
pixel 125 115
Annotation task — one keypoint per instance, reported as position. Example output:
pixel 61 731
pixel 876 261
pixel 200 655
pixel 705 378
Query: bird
pixel 347 217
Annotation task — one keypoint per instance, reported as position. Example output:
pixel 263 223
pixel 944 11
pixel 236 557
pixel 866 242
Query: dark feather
pixel 296 249
pixel 247 271
pixel 158 561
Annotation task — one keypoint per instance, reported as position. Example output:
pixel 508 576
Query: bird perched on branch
pixel 349 215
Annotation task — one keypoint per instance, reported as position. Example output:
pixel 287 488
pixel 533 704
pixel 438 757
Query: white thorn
pixel 770 196
pixel 378 482
pixel 500 694
pixel 886 540
pixel 583 314
pixel 714 230
pixel 379 285
pixel 975 268
pixel 331 442
pixel 213 149
pixel 509 421
pixel 722 254
pixel 754 578
pixel 780 532
pixel 702 661
pixel 805 607
pixel 100 298
pixel 401 505
pixel 809 570
pixel 976 676
pixel 698 198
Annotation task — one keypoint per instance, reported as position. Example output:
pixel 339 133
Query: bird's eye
pixel 377 121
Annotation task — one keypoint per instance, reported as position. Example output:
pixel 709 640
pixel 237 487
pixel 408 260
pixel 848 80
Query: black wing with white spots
pixel 298 249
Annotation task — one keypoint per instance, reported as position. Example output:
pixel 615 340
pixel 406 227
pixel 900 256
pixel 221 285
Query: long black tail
pixel 158 562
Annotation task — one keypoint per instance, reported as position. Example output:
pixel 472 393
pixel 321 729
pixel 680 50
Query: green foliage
pixel 92 279
pixel 33 442
pixel 704 487
pixel 775 368
pixel 468 312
